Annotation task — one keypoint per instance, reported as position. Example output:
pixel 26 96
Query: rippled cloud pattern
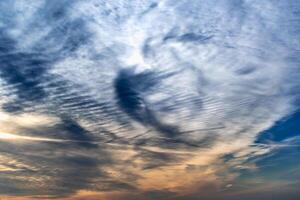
pixel 147 99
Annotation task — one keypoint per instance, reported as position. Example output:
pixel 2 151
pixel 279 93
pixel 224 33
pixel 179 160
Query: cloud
pixel 145 97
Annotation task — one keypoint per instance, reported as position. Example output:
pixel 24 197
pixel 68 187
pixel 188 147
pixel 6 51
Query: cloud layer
pixel 142 98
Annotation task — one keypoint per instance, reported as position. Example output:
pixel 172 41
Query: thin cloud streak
pixel 144 99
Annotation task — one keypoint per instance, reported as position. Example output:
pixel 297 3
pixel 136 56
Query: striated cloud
pixel 146 99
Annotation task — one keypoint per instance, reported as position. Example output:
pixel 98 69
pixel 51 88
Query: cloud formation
pixel 142 98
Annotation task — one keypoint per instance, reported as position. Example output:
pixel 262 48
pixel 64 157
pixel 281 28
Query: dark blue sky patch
pixel 283 129
pixel 280 166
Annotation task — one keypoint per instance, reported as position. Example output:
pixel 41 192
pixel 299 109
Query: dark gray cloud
pixel 130 91
pixel 188 37
pixel 135 89
pixel 49 174
pixel 25 72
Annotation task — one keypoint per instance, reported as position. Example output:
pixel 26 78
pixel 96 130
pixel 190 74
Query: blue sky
pixel 149 99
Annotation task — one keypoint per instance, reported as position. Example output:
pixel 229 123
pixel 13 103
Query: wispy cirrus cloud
pixel 132 96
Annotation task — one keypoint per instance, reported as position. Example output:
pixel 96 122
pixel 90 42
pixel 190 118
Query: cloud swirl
pixel 125 98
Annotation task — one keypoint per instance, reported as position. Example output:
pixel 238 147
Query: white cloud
pixel 230 63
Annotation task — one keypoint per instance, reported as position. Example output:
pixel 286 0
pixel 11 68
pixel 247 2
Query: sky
pixel 150 99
